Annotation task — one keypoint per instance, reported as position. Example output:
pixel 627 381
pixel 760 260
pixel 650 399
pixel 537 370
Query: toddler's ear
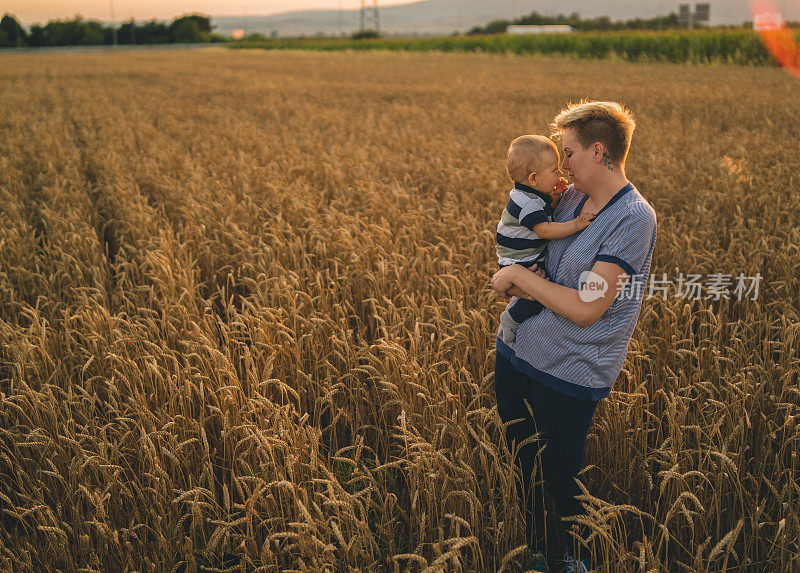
pixel 532 179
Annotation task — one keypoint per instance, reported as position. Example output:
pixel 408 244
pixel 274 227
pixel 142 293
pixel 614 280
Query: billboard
pixel 701 12
pixel 685 13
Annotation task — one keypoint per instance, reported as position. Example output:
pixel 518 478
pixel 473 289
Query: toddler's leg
pixel 508 325
pixel 523 309
pixel 518 311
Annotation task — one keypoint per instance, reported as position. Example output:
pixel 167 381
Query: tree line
pixel 190 28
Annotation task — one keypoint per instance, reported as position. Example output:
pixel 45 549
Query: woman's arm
pixel 581 307
pixel 518 292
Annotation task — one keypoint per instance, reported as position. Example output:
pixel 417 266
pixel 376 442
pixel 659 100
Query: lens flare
pixel 778 39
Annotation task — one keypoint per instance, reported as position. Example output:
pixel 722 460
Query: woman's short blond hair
pixel 527 154
pixel 607 122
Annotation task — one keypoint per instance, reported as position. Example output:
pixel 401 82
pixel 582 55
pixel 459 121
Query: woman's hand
pixel 503 281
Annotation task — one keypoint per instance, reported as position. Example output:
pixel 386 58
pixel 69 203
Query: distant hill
pixel 436 17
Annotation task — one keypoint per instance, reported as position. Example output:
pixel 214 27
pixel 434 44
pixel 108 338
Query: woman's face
pixel 578 162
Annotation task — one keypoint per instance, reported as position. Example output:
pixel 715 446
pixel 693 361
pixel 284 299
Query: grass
pixel 737 46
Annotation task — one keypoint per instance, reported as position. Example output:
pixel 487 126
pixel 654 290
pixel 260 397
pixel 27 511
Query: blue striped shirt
pixel 583 362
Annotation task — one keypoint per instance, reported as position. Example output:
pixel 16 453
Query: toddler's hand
pixel 561 186
pixel 535 268
pixel 585 219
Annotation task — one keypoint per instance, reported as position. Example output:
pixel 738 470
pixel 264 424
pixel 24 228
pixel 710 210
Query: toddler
pixel 527 221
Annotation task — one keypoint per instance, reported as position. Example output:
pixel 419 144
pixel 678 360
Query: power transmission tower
pixel 372 19
pixel 113 24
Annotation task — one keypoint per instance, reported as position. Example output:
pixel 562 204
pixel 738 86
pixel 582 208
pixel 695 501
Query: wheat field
pixel 247 323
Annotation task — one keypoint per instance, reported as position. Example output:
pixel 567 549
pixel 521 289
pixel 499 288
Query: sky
pixel 36 11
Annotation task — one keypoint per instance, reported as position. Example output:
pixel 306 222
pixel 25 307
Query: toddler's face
pixel 547 179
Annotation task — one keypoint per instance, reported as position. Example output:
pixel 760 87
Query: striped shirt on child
pixel 516 242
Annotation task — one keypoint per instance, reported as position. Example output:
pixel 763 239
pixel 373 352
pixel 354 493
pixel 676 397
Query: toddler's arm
pixel 560 230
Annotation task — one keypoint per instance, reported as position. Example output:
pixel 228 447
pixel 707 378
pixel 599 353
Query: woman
pixel 566 358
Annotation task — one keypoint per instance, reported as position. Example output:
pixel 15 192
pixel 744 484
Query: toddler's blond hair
pixel 527 154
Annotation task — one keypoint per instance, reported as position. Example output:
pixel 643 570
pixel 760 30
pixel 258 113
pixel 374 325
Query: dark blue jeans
pixel 563 423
